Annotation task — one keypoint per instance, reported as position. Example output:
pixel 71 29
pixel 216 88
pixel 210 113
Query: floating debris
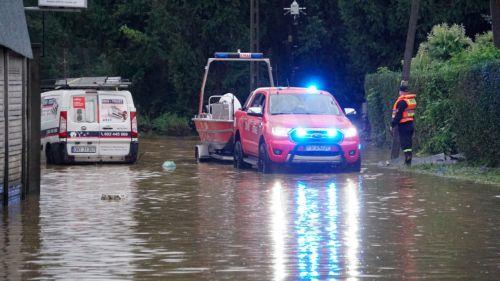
pixel 112 197
pixel 169 165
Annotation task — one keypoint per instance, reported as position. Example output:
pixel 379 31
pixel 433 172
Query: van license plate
pixel 318 148
pixel 83 149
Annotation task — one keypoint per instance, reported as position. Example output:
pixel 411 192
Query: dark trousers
pixel 406 135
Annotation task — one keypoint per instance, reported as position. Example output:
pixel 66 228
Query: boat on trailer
pixel 215 119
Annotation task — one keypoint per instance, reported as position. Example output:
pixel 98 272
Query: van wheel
pixel 57 155
pixel 264 165
pixel 49 157
pixel 238 162
pixel 133 158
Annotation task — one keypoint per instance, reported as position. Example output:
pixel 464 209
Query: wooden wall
pixel 2 120
pixel 12 121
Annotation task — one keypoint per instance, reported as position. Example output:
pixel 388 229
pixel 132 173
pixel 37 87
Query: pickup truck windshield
pixel 313 104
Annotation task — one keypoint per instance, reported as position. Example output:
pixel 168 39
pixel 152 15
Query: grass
pixel 460 171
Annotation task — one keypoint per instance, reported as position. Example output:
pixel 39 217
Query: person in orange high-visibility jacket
pixel 403 114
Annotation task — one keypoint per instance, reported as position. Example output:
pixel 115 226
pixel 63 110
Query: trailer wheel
pixel 264 165
pixel 197 156
pixel 238 162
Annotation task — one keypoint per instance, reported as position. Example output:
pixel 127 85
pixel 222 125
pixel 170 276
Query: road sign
pixel 72 4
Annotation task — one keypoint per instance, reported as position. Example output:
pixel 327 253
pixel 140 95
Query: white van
pixel 91 119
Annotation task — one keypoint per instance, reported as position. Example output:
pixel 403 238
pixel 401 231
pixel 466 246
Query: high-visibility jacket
pixel 409 112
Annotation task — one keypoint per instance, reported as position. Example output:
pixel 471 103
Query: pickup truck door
pixel 253 126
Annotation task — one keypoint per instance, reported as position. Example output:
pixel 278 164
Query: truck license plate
pixel 318 148
pixel 83 149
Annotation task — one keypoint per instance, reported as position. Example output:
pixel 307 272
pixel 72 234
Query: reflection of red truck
pixel 294 126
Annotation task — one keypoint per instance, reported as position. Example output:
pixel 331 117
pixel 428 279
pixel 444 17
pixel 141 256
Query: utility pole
pixel 254 43
pixel 295 10
pixel 495 21
pixel 410 43
pixel 410 39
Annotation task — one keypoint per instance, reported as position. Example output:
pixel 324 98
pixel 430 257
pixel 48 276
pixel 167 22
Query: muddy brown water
pixel 210 222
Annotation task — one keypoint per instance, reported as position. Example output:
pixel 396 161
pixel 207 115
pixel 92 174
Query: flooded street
pixel 211 222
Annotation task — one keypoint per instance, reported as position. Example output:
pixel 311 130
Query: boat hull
pixel 218 134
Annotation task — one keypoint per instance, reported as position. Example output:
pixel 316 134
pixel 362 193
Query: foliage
pixel 477 113
pixel 162 45
pixel 444 41
pixel 458 103
pixel 171 125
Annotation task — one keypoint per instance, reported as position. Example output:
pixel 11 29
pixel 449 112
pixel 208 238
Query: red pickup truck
pixel 294 126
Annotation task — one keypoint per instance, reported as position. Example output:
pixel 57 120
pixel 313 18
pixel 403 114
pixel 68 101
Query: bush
pixel 458 110
pixel 171 125
pixel 445 41
pixel 477 113
pixel 458 98
pixel 381 89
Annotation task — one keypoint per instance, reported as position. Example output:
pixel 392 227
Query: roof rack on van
pixel 98 83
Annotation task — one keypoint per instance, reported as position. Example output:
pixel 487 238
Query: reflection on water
pixel 211 222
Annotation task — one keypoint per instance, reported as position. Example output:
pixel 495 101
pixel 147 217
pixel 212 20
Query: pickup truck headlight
pixel 350 132
pixel 280 131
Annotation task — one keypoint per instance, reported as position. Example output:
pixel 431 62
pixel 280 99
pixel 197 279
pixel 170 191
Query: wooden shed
pixel 15 50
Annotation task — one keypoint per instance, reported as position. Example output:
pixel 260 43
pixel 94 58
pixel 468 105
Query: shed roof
pixel 13 29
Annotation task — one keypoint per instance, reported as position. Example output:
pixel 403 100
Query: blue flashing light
pixel 359 147
pixel 312 88
pixel 301 132
pixel 222 55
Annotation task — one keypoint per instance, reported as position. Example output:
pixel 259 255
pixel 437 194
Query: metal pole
pixel 254 42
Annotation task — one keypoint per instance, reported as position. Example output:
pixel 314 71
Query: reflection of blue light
pixel 359 146
pixel 333 243
pixel 301 132
pixel 312 88
pixel 308 231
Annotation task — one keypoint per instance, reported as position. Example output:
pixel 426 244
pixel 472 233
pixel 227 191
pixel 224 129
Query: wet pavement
pixel 210 222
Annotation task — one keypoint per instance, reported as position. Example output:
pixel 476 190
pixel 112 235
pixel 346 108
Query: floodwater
pixel 210 222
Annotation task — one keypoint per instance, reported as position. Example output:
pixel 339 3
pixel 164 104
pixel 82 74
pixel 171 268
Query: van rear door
pixel 115 127
pixel 83 126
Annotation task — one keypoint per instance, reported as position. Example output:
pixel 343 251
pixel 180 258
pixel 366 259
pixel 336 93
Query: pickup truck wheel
pixel 354 167
pixel 264 164
pixel 238 162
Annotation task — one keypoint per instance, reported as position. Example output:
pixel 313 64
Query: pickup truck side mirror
pixel 255 111
pixel 350 111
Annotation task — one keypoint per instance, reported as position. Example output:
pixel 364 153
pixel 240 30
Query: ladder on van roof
pixel 97 83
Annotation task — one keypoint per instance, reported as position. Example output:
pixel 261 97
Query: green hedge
pixel 458 109
pixel 476 118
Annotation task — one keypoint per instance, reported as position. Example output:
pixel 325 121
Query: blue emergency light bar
pixel 239 55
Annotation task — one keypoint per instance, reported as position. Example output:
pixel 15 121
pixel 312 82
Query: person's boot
pixel 408 156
